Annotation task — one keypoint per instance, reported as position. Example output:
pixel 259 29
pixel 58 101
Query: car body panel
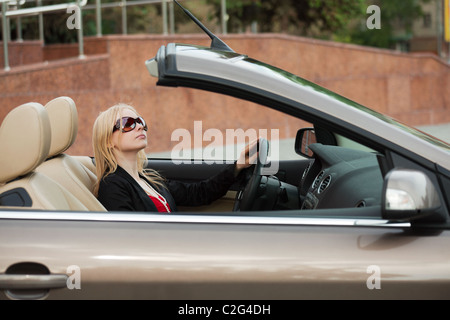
pixel 334 253
pixel 189 257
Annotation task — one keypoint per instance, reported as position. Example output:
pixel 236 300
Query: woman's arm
pixel 206 191
pixel 202 192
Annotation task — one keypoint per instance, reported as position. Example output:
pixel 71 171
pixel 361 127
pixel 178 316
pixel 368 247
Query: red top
pixel 160 203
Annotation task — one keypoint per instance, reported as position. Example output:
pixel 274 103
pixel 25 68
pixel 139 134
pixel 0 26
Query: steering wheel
pixel 247 195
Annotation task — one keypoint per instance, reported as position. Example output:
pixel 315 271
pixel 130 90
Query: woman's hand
pixel 248 156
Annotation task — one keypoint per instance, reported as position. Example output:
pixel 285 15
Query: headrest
pixel 24 140
pixel 63 115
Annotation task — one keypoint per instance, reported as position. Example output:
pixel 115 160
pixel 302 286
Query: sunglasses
pixel 129 123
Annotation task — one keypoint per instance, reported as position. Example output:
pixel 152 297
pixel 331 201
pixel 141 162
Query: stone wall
pixel 22 53
pixel 412 88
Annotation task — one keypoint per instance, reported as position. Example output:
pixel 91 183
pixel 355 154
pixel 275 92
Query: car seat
pixel 25 139
pixel 61 167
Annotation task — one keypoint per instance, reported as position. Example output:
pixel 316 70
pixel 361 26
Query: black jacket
pixel 120 192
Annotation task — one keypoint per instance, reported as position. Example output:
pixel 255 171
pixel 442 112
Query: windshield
pixel 414 131
pixel 226 70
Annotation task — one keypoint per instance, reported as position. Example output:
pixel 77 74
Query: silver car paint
pixel 199 257
pixel 192 60
pixel 149 256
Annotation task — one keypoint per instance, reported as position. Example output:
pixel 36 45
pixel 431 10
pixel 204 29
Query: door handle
pixel 32 281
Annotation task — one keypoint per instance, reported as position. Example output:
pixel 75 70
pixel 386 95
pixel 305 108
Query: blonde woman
pixel 119 139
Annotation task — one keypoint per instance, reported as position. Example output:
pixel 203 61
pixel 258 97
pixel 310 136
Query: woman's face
pixel 131 141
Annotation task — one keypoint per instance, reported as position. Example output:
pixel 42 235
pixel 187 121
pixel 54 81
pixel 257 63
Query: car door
pixel 344 253
pixel 188 256
pixel 206 253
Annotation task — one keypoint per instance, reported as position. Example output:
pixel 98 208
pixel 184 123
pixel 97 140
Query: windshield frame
pixel 238 75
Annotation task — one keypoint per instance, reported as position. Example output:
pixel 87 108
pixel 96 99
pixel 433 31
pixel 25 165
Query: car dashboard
pixel 339 177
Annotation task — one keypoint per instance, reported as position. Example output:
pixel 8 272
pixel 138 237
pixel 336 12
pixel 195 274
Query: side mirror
pixel 408 194
pixel 305 137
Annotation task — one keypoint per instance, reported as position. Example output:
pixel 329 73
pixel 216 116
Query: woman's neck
pixel 129 163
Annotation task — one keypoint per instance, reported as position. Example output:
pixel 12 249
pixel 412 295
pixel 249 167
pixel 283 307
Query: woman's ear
pixel 112 145
pixel 113 142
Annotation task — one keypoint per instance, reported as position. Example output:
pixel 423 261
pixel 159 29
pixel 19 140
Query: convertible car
pixel 360 212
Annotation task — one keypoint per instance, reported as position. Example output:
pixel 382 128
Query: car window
pixel 221 133
pixel 349 143
pixel 343 174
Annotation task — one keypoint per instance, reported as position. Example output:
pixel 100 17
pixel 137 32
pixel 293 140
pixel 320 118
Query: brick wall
pixel 22 53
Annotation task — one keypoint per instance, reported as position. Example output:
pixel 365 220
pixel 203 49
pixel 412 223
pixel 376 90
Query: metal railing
pixel 7 14
pixel 167 17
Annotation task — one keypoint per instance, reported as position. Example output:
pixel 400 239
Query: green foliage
pixel 304 17
pixel 339 20
pixel 140 19
pixel 397 18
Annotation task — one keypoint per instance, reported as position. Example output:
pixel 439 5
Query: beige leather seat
pixel 87 162
pixel 25 138
pixel 61 167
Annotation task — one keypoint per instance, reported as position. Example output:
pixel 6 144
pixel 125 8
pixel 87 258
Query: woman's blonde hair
pixel 105 160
